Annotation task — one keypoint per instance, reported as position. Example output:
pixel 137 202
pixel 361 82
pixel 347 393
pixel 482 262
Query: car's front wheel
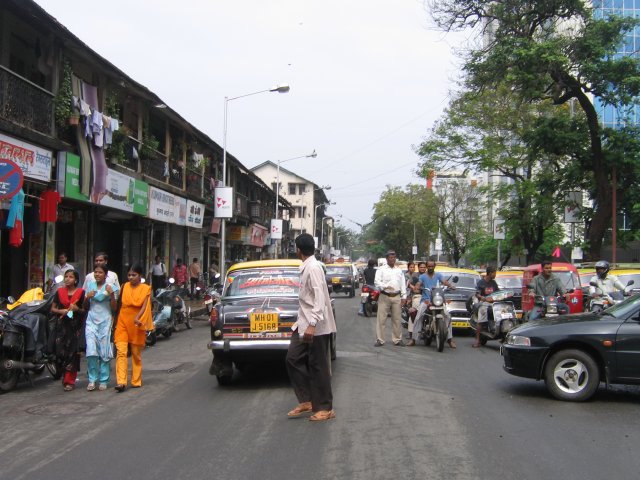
pixel 572 375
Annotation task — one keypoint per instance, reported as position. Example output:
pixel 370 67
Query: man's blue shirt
pixel 429 282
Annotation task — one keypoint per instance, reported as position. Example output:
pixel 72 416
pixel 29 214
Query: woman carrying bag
pixel 134 320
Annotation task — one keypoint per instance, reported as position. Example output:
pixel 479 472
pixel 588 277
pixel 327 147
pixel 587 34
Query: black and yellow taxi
pixel 342 277
pixel 252 321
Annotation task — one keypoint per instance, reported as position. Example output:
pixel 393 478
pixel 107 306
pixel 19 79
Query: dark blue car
pixel 574 353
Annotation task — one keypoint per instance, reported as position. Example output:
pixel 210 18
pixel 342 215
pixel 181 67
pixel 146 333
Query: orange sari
pixel 133 298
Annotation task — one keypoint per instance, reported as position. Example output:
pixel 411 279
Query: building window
pixel 302 187
pixel 292 188
pixel 273 186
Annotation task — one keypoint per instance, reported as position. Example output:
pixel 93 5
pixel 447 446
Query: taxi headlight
pixel 518 340
pixel 438 300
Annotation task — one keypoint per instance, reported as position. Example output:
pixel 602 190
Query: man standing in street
pixel 308 355
pixel 158 274
pixel 194 277
pixel 101 258
pixel 393 291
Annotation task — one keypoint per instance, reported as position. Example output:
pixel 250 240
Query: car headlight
pixel 518 340
pixel 438 300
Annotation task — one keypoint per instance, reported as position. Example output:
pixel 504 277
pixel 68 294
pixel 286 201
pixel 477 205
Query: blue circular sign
pixel 11 178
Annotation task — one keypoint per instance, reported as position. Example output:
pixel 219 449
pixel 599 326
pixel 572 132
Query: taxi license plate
pixel 335 280
pixel 459 324
pixel 364 295
pixel 263 322
pixel 505 315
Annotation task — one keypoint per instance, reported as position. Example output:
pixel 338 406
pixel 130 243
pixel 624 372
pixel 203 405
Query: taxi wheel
pixel 224 380
pixel 352 292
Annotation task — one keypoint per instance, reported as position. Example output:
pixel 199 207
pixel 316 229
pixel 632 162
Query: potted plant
pixel 64 112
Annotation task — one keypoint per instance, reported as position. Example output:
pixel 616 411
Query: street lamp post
pixel 322 232
pixel 323 187
pixel 311 155
pixel 315 214
pixel 223 234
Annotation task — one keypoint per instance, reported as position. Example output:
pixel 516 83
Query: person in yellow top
pixel 134 319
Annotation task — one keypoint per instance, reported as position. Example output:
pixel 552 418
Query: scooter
pixel 24 335
pixel 602 300
pixel 163 321
pixel 369 298
pixel 435 320
pixel 501 317
pixel 212 294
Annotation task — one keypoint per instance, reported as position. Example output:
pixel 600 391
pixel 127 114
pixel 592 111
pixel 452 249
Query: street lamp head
pixel 284 88
pixel 313 154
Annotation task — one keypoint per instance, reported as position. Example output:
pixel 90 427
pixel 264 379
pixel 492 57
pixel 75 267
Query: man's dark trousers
pixel 309 372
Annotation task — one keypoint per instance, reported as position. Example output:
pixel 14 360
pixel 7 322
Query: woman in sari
pixel 100 303
pixel 134 320
pixel 69 311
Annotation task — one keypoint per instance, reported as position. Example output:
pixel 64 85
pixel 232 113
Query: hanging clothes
pixel 15 218
pixel 49 201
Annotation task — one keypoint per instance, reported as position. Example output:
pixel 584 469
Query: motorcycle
pixel 169 311
pixel 369 298
pixel 501 317
pixel 24 336
pixel 212 294
pixel 602 300
pixel 435 320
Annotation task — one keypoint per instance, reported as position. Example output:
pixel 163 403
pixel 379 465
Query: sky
pixel 368 79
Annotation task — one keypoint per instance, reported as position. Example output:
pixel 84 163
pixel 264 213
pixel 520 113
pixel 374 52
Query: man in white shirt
pixel 59 268
pixel 308 355
pixel 102 258
pixel 393 291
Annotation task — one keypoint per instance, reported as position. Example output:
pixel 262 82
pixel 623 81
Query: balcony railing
pixel 25 103
pixel 153 165
pixel 194 183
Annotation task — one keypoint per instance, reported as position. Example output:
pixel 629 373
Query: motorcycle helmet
pixel 604 267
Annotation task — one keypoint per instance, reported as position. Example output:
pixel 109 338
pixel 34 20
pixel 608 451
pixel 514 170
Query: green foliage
pixel 395 215
pixel 63 98
pixel 555 50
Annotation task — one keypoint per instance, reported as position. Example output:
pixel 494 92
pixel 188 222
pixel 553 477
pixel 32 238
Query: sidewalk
pixel 198 308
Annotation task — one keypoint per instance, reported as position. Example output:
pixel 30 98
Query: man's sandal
pixel 301 409
pixel 322 416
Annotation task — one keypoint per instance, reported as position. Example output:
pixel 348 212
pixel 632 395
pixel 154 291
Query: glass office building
pixel 609 115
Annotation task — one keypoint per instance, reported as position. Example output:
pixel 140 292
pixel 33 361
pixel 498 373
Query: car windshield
pixel 339 270
pixel 465 280
pixel 509 282
pixel 624 309
pixel 283 282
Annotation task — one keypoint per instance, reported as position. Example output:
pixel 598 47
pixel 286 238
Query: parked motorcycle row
pixel 169 312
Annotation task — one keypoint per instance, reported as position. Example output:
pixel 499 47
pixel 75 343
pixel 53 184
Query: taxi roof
pixel 625 271
pixel 509 273
pixel 442 268
pixel 265 264
pixel 341 264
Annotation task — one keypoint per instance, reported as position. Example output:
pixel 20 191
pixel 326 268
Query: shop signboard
pixel 163 206
pixel 125 193
pixel 35 162
pixel 195 214
pixel 69 176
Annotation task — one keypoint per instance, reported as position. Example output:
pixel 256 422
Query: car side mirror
pixel 455 279
pixel 630 282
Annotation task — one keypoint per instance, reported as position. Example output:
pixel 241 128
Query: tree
pixel 395 215
pixel 458 216
pixel 554 50
pixel 514 142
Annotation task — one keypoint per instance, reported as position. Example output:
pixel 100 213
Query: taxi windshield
pixel 509 281
pixel 339 270
pixel 263 283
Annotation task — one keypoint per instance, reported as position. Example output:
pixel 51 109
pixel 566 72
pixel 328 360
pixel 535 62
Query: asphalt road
pixel 401 413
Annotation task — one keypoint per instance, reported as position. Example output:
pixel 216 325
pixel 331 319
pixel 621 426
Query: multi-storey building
pixel 307 201
pixel 128 175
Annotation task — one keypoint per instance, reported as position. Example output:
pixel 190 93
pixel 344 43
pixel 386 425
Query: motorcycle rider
pixel 369 274
pixel 546 284
pixel 428 280
pixel 484 288
pixel 607 284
